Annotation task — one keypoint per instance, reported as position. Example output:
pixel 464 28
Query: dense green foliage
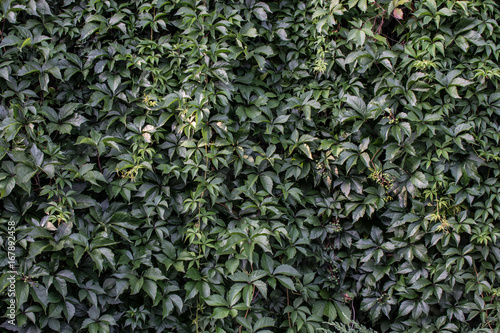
pixel 353 327
pixel 244 166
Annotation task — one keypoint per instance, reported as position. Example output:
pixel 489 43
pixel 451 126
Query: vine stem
pixel 230 210
pixel 197 313
pixel 151 25
pixel 477 276
pixel 253 292
pixel 353 313
pixel 98 160
pixel 1 32
pixel 25 278
pixel 199 246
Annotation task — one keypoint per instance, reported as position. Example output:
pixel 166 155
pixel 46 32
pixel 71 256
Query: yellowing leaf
pixel 398 13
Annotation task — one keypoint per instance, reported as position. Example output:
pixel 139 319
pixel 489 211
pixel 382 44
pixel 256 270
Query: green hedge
pixel 243 166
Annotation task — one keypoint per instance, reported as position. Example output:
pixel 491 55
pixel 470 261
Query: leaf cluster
pixel 245 166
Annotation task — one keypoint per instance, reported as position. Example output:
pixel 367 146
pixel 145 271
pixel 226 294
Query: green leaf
pixel 260 13
pixel 267 183
pixel 88 30
pixel 362 5
pixel 26 42
pixel 358 36
pixel 113 82
pixel 282 34
pixel 151 288
pixel 261 62
pixel 406 307
pixel 40 294
pixel 419 180
pixel 216 300
pixel 286 270
pixel 10 40
pixel 6 187
pixel 24 173
pixel 37 248
pixel 68 110
pixel 452 90
pixel 136 285
pixel 344 312
pixel 193 274
pixel 266 50
pixel 352 3
pixel 220 313
pixel 330 311
pixel 37 155
pixel 154 274
pixel 97 258
pixel 43 7
pixel 68 275
pixel 356 103
pixel 116 18
pixel 458 81
pixel 286 282
pixel 247 294
pixel 249 31
pixel 264 322
pixel 231 265
pixel 304 148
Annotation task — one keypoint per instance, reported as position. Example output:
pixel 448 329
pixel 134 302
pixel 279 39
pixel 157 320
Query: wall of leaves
pixel 245 166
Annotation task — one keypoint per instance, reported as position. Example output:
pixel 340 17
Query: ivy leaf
pixel 357 35
pixel 154 274
pixel 362 5
pixel 116 18
pixel 286 270
pixel 220 313
pixel 344 312
pixel 282 34
pixel 216 300
pixel 37 155
pixel 286 282
pixel 249 31
pixel 419 180
pixel 41 295
pixel 43 7
pixel 113 82
pixel 77 120
pixel 260 13
pixel 356 103
pixel 88 30
pixel 24 173
pixel 266 50
pixel 151 288
pixel 26 42
pixel 267 183
pixel 10 41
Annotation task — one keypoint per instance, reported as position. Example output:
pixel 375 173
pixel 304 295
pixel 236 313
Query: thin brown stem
pixel 1 32
pixel 477 276
pixel 253 292
pixel 353 312
pixel 230 210
pixel 98 160
pixel 25 278
pixel 151 25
